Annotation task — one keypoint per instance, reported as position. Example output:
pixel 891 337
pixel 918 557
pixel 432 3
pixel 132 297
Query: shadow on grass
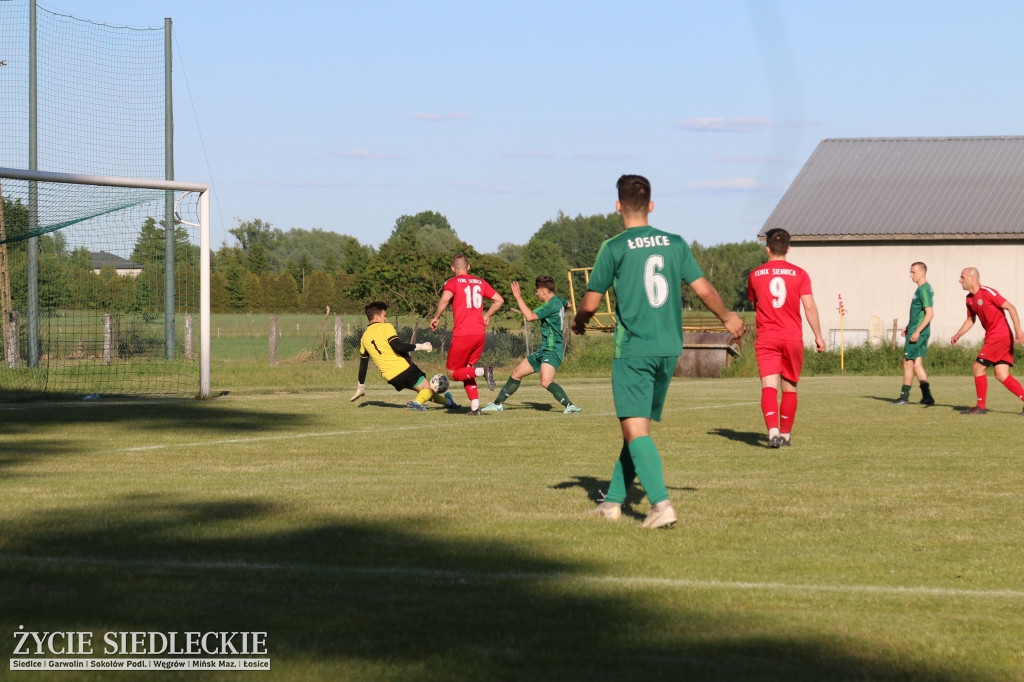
pixel 380 403
pixel 542 407
pixel 595 489
pixel 351 599
pixel 752 438
pixel 913 403
pixel 191 416
pixel 194 420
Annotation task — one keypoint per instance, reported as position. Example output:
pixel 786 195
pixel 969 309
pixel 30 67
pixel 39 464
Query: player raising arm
pixel 380 343
pixel 548 356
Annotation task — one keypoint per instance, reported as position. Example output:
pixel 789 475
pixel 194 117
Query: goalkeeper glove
pixel 425 346
pixel 360 392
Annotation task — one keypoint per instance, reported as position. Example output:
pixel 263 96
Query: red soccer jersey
pixel 987 305
pixel 468 303
pixel 776 288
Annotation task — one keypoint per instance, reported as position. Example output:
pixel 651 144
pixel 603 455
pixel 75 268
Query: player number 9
pixel 777 287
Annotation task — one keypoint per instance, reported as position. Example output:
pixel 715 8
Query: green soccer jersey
pixel 552 323
pixel 646 266
pixel 923 298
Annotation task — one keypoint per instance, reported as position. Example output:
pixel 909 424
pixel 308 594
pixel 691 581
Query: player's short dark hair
pixel 777 241
pixel 919 264
pixel 374 309
pixel 634 193
pixel 460 262
pixel 545 282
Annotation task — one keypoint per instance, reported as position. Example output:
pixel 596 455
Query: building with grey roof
pixel 122 266
pixel 861 211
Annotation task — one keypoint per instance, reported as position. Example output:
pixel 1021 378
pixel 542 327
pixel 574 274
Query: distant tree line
pixel 68 279
pixel 270 270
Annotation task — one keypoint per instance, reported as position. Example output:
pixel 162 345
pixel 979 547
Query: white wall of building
pixel 875 283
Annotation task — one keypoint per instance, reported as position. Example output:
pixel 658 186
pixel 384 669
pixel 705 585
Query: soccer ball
pixel 439 383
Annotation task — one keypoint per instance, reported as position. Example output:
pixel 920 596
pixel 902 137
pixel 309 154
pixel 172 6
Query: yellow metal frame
pixel 603 319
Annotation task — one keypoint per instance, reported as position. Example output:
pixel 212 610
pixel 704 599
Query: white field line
pixel 509 576
pixel 371 430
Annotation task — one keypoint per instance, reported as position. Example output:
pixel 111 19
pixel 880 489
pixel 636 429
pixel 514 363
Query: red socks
pixel 1014 387
pixel 787 412
pixel 471 390
pixel 770 407
pixel 981 386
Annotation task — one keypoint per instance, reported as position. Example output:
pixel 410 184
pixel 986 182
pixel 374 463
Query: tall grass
pixel 941 359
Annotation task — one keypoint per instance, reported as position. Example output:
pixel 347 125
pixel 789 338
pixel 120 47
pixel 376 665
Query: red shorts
pixel 465 351
pixel 778 356
pixel 999 349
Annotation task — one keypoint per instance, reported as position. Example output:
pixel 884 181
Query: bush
pixel 864 360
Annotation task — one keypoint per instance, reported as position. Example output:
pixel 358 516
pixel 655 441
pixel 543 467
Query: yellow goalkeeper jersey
pixel 376 344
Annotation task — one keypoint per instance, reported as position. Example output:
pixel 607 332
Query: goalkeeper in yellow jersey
pixel 380 342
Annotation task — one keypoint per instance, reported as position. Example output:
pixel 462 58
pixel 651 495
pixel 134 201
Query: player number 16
pixel 474 297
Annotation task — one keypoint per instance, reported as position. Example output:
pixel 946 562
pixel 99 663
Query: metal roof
pixel 907 188
pixel 102 259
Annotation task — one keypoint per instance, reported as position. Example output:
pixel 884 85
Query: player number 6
pixel 654 282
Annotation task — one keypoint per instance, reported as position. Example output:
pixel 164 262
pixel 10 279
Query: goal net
pixel 86 264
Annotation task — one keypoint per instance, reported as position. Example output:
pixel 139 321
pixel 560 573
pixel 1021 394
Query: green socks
pixel 640 459
pixel 647 461
pixel 622 477
pixel 905 392
pixel 510 387
pixel 556 390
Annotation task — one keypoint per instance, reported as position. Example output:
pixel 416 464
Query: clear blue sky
pixel 345 116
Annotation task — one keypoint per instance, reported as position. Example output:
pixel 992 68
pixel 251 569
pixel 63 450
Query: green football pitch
pixel 373 542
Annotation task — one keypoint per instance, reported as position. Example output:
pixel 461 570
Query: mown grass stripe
pixel 506 576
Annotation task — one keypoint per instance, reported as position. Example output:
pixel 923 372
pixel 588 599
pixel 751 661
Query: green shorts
pixel 913 351
pixel 639 385
pixel 545 357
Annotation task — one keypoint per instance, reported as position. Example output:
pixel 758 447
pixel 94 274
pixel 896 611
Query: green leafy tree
pixel 355 256
pixel 425 231
pixel 330 264
pixel 513 254
pixel 252 290
pixel 343 283
pixel 318 292
pixel 579 239
pixel 544 257
pixel 317 244
pixel 256 260
pixel 407 278
pixel 249 233
pixel 302 269
pixel 220 299
pixel 150 248
pixel 726 267
pixel 283 296
pixel 234 275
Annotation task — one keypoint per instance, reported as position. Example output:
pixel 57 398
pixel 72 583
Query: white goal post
pixel 204 239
